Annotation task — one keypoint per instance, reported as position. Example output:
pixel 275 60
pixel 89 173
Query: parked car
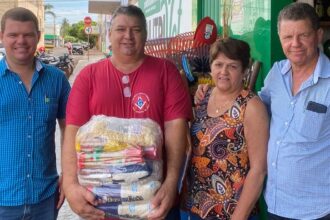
pixel 77 48
pixel 2 51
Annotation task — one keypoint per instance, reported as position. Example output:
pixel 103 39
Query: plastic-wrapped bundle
pixel 115 134
pixel 119 161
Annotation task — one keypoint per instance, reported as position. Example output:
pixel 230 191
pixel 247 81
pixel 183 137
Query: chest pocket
pixel 311 124
pixel 49 112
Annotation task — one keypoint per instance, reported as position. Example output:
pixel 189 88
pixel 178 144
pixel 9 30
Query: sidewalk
pixel 94 56
pixel 65 212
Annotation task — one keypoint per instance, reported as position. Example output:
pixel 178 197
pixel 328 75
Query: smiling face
pixel 20 40
pixel 127 36
pixel 299 41
pixel 227 74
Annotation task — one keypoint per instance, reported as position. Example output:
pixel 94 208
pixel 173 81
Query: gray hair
pixel 299 11
pixel 131 10
pixel 19 14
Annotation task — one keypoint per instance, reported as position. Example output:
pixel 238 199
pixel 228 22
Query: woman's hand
pixel 200 93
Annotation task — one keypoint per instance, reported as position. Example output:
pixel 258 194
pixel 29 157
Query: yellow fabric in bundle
pixel 110 134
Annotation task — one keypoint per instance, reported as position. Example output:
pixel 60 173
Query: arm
pixel 256 128
pixel 200 93
pixel 80 199
pixel 265 92
pixel 175 144
pixel 61 124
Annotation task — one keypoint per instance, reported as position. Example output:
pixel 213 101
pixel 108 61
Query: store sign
pixel 167 18
pixel 151 7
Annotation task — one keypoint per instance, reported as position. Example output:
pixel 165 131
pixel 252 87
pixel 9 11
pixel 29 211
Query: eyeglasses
pixel 127 89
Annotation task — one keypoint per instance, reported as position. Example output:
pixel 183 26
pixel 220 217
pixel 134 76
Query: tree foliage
pixel 65 27
pixel 68 38
pixel 48 10
pixel 77 31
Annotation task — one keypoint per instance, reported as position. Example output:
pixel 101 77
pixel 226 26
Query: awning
pixel 103 6
pixel 50 36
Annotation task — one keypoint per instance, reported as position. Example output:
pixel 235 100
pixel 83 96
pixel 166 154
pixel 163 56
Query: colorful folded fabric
pixel 99 164
pixel 97 155
pixel 120 168
pixel 127 174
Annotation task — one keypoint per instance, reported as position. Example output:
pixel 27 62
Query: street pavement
pixel 80 61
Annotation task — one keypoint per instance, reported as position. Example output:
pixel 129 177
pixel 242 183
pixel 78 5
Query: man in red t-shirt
pixel 129 84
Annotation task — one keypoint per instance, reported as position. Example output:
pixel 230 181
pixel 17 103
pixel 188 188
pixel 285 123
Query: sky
pixel 73 10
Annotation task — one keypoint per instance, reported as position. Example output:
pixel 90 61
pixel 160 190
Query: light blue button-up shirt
pixel 28 172
pixel 298 183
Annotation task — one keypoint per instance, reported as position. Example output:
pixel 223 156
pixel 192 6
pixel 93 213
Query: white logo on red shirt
pixel 140 102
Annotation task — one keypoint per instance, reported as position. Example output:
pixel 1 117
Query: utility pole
pixel 54 36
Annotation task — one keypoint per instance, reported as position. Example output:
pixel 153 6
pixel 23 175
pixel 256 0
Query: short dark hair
pixel 131 10
pixel 19 14
pixel 233 49
pixel 299 11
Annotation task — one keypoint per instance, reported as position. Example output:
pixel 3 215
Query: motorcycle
pixel 66 65
pixel 48 59
pixel 78 50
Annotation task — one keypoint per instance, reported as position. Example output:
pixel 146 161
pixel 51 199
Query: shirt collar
pixel 4 68
pixel 286 68
pixel 322 69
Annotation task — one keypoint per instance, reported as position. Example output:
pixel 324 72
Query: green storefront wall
pixel 254 21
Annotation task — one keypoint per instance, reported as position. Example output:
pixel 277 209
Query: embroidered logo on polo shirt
pixel 140 102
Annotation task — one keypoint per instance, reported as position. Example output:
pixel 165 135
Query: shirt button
pixel 20 82
pixel 286 123
pixel 278 142
pixel 30 116
pixel 292 103
pixel 29 136
pixel 29 155
pixel 273 164
pixel 28 176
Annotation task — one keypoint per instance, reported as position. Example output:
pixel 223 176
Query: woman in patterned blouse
pixel 229 142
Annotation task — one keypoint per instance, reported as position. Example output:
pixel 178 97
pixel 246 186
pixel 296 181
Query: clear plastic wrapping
pixel 119 161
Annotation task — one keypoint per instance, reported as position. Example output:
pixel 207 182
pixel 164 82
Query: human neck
pixel 220 102
pixel 127 64
pixel 225 96
pixel 300 73
pixel 25 68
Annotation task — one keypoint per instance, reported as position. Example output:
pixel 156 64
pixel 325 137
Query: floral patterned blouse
pixel 219 162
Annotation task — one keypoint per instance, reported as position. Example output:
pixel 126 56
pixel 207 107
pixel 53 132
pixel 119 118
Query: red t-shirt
pixel 157 92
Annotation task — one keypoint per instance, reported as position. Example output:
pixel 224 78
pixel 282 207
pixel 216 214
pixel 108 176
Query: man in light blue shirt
pixel 297 94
